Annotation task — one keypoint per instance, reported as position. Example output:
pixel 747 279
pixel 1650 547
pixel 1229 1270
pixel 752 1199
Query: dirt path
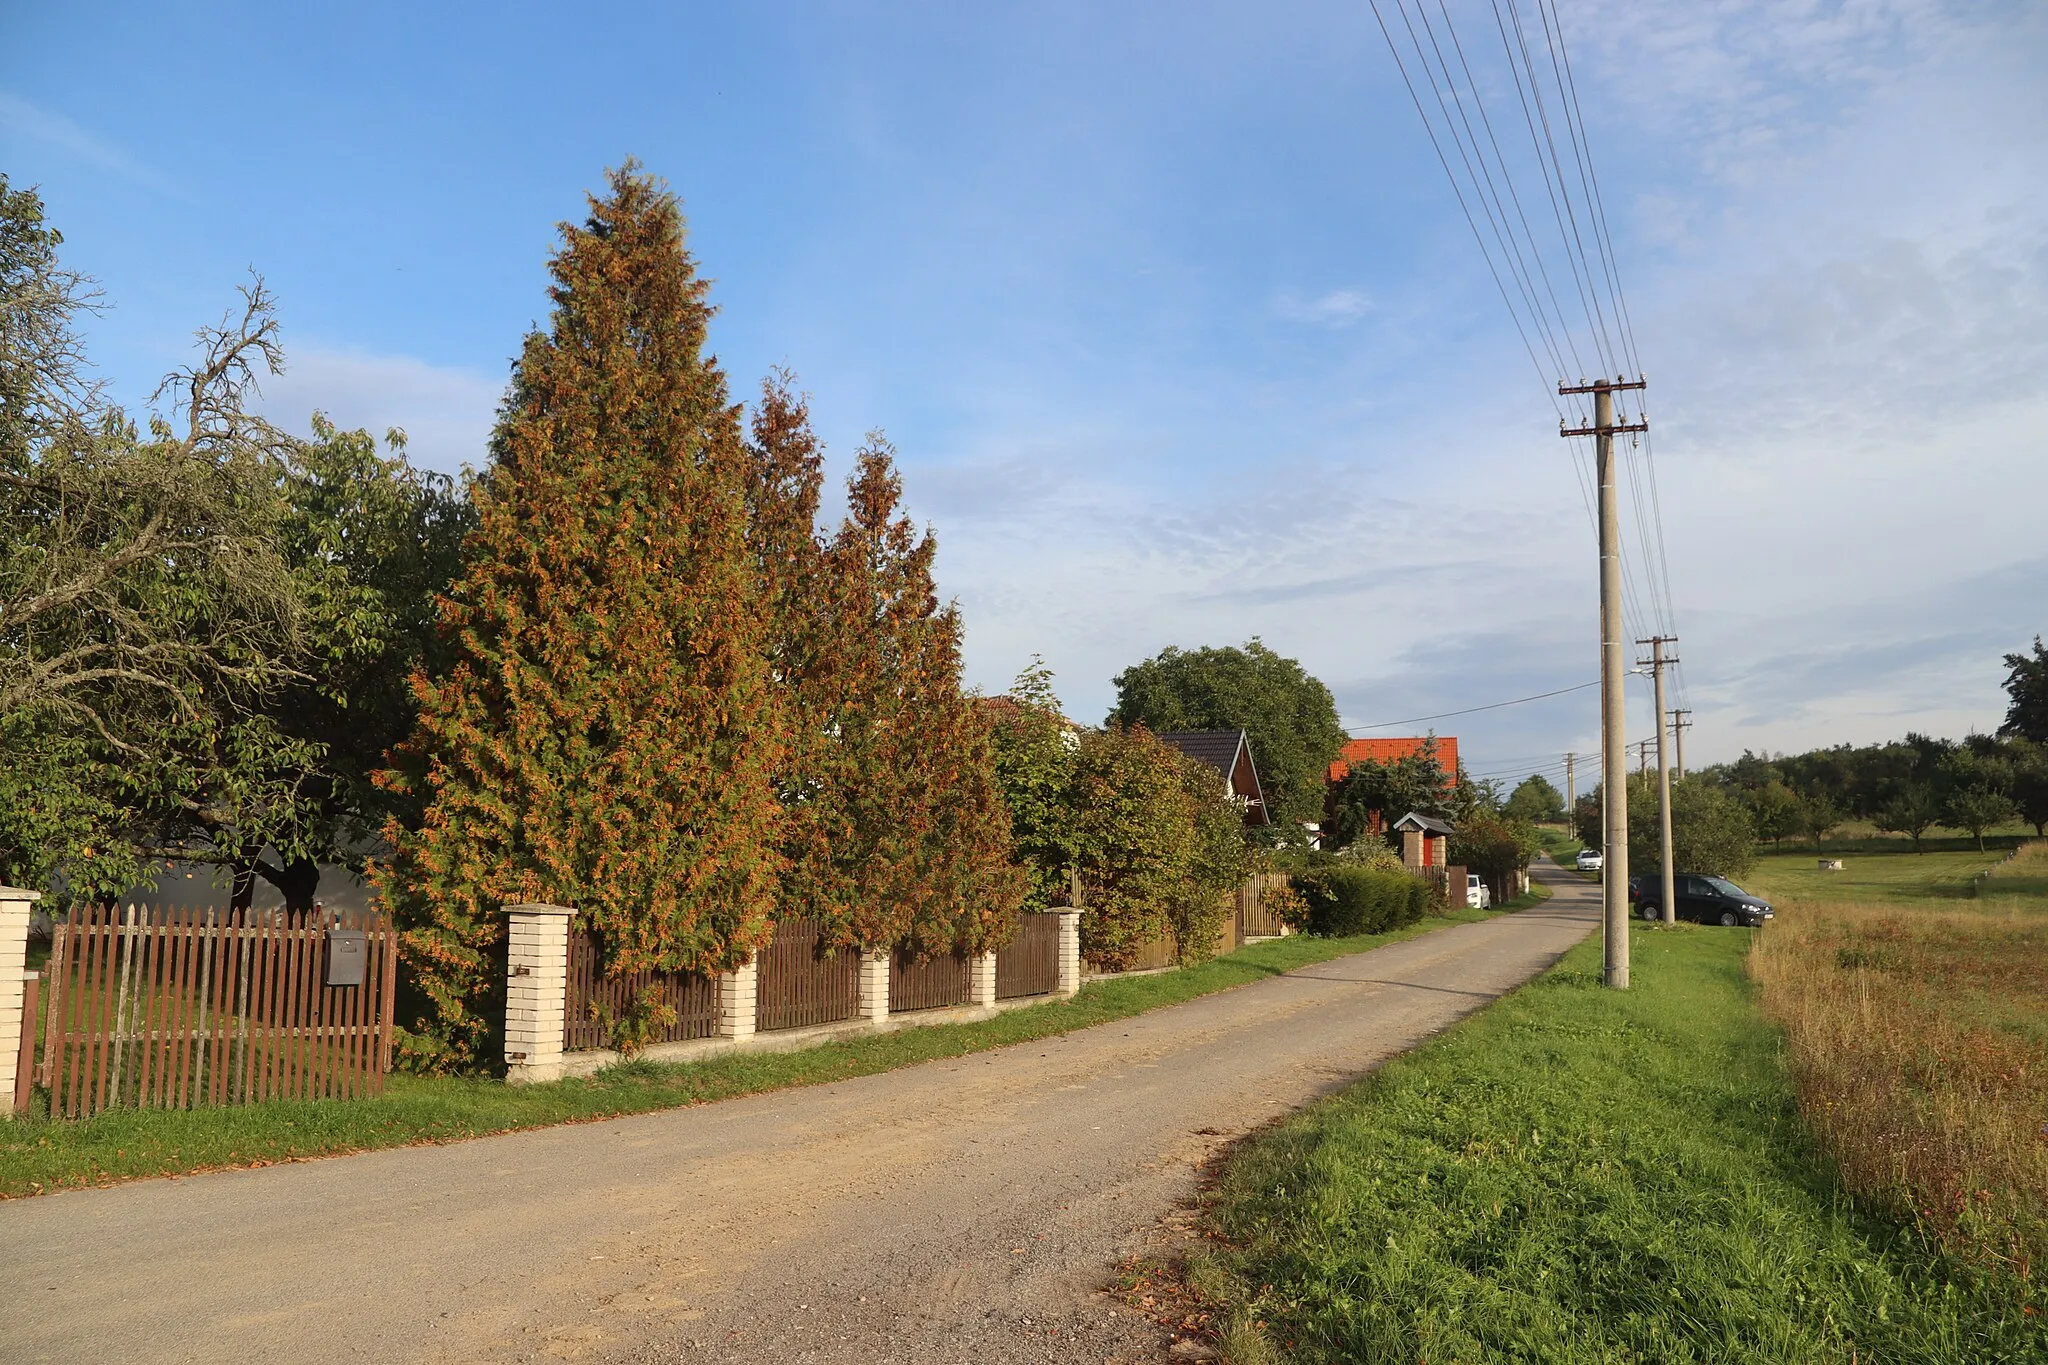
pixel 964 1210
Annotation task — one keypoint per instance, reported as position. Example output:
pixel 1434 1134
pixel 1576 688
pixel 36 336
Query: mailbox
pixel 348 950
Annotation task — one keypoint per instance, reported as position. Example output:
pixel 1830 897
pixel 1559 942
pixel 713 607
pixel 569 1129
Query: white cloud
pixel 19 118
pixel 446 413
pixel 1338 308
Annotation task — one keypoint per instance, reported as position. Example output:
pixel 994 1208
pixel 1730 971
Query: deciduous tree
pixel 1290 717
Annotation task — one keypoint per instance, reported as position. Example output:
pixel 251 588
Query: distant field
pixel 1883 871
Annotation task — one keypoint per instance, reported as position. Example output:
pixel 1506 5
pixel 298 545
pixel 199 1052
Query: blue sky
pixel 1170 311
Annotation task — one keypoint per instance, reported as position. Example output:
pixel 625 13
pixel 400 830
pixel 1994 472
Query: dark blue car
pixel 1704 900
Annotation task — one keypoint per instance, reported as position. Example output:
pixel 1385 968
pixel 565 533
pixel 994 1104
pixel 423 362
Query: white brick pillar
pixel 981 979
pixel 1070 950
pixel 739 999
pixel 874 987
pixel 15 905
pixel 536 991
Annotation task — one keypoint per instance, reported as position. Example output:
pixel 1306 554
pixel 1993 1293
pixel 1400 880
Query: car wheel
pixel 1728 919
pixel 1650 912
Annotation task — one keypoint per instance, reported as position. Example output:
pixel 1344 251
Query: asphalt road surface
pixel 963 1210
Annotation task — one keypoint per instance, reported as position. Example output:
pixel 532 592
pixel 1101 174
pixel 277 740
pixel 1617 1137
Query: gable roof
pixel 1429 824
pixel 1391 749
pixel 1229 752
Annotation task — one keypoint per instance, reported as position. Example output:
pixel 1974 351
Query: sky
pixel 1172 316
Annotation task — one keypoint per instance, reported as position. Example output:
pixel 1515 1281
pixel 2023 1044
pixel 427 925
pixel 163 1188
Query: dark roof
pixel 1229 752
pixel 1217 748
pixel 1417 820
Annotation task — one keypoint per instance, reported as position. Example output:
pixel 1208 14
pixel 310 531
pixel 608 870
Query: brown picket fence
pixel 931 984
pixel 1030 965
pixel 1254 917
pixel 595 1000
pixel 800 984
pixel 156 1008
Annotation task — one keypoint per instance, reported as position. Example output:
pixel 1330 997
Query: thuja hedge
pixel 1342 901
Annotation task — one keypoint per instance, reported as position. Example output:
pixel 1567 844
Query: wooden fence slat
pixel 53 1012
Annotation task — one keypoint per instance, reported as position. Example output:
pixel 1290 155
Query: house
pixel 1229 752
pixel 1392 750
pixel 1425 840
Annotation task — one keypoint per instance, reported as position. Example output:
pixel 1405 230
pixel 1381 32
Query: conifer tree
pixel 605 737
pixel 910 836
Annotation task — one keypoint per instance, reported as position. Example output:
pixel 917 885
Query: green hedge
pixel 1343 901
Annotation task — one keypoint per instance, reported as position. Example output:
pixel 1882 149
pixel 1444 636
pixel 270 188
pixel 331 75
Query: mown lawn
pixel 1578 1174
pixel 37 1155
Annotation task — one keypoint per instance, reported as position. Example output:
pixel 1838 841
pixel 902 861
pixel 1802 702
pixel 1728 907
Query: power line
pixel 1493 706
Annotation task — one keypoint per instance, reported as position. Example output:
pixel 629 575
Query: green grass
pixel 1886 870
pixel 37 1155
pixel 1578 1174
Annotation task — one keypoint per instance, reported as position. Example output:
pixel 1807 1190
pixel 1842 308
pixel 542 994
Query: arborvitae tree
pixel 784 476
pixel 605 737
pixel 908 836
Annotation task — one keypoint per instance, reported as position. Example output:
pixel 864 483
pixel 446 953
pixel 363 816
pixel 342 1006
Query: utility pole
pixel 1571 791
pixel 1657 663
pixel 1642 748
pixel 1613 675
pixel 1678 729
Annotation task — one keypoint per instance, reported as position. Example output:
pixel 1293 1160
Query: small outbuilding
pixel 1425 840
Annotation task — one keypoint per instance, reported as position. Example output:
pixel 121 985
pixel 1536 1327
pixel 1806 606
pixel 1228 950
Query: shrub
pixel 1344 901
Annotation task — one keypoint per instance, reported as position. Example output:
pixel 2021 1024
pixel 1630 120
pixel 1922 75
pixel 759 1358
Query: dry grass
pixel 1918 1042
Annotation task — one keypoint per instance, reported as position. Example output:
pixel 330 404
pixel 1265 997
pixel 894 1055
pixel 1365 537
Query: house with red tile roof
pixel 1390 750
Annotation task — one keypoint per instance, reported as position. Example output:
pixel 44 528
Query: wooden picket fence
pixel 596 1001
pixel 1030 963
pixel 931 984
pixel 157 1008
pixel 801 983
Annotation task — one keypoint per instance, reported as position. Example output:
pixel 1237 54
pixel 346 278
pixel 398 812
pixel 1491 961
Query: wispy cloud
pixel 446 413
pixel 21 119
pixel 1338 308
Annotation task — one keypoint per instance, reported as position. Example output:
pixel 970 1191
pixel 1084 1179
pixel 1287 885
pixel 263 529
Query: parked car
pixel 1478 894
pixel 1589 860
pixel 1705 900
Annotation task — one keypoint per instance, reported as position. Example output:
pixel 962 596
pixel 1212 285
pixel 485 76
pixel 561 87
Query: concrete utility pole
pixel 1613 674
pixel 1571 790
pixel 1642 748
pixel 1657 663
pixel 1678 729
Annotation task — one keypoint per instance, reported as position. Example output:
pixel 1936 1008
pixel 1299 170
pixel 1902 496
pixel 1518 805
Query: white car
pixel 1478 894
pixel 1589 860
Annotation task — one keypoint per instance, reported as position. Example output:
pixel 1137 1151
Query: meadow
pixel 1916 1031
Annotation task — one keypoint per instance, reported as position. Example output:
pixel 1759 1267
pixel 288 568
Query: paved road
pixel 965 1210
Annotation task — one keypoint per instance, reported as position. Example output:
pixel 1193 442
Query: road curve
pixel 962 1210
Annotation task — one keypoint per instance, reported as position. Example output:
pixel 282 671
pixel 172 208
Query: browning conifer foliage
pixel 905 835
pixel 606 738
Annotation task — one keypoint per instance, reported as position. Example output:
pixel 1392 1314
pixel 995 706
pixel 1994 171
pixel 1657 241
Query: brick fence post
pixel 1070 951
pixel 981 979
pixel 739 1000
pixel 874 987
pixel 536 991
pixel 15 905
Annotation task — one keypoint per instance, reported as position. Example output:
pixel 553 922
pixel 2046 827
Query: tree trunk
pixel 297 881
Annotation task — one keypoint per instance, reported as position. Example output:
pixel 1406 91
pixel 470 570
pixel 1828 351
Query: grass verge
pixel 1578 1174
pixel 39 1155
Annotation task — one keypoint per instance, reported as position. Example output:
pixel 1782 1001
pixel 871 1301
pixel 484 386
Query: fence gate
pixel 159 1008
